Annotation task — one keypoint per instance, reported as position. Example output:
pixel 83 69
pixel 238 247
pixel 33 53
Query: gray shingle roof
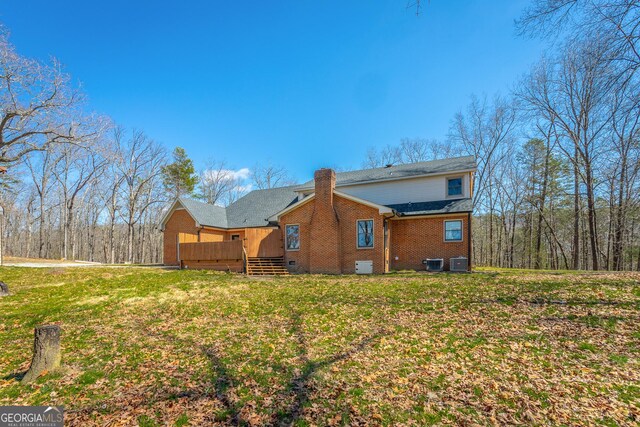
pixel 434 207
pixel 204 213
pixel 402 171
pixel 251 210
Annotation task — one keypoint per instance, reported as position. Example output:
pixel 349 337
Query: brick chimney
pixel 325 256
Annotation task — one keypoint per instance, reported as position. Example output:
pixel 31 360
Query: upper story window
pixel 365 233
pixel 454 186
pixel 292 237
pixel 453 231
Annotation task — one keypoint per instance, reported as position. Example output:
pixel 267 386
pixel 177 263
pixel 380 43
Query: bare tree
pixel 389 155
pixel 140 164
pixel 270 176
pixel 218 184
pixel 410 150
pixel 625 161
pixel 75 168
pixel 484 131
pixel 575 94
pixel 40 168
pixel 39 105
pixel 613 22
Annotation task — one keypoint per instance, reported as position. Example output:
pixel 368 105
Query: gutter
pixel 406 215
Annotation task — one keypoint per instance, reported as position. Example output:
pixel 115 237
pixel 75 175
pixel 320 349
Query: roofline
pixel 276 217
pixel 166 215
pixel 211 227
pixel 400 216
pixel 381 208
pixel 373 181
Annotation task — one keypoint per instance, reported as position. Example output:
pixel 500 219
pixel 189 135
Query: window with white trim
pixel 453 231
pixel 292 237
pixel 454 186
pixel 365 233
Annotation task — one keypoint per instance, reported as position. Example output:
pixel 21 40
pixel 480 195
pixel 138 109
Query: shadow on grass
pixel 300 384
pixel 510 300
pixel 18 376
pixel 298 387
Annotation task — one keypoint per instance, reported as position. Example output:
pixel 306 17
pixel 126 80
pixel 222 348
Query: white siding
pixel 412 190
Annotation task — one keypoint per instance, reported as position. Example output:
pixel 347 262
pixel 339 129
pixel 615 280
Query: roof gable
pixel 252 210
pixel 204 213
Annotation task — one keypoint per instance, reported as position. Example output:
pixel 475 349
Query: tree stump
pixel 4 289
pixel 46 352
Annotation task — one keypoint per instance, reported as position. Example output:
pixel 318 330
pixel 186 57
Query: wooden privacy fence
pixel 264 243
pixel 225 256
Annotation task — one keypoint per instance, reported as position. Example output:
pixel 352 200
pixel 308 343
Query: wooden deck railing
pixel 228 255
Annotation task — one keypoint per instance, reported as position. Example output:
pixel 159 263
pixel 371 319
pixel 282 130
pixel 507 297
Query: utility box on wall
pixel 364 267
pixel 434 264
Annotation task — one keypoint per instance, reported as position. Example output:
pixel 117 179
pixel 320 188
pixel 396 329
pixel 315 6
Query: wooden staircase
pixel 263 266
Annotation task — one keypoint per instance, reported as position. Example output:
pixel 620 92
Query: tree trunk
pixel 41 230
pixel 592 221
pixel 4 289
pixel 575 250
pixel 46 352
pixel 620 218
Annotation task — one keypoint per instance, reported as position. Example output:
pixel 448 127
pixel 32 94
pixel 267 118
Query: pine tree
pixel 179 177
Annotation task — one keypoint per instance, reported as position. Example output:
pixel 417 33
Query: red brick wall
pixel 348 213
pixel 325 248
pixel 302 217
pixel 328 232
pixel 413 240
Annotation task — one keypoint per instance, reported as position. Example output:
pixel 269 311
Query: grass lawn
pixel 152 347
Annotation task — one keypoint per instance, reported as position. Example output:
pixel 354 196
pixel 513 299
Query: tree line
pixel 559 157
pixel 78 186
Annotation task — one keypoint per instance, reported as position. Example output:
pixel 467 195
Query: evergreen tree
pixel 179 177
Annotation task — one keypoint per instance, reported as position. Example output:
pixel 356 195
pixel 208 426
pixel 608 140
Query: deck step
pixel 268 266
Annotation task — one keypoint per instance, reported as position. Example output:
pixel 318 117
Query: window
pixel 292 233
pixel 365 233
pixel 454 186
pixel 235 237
pixel 453 231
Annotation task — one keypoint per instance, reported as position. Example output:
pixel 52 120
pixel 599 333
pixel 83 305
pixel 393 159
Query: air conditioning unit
pixel 460 263
pixel 434 264
pixel 364 267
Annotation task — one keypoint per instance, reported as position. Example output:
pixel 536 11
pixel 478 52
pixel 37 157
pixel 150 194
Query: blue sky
pixel 302 84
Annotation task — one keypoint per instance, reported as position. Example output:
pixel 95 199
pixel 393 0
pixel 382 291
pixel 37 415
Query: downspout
pixel 386 261
pixel 469 240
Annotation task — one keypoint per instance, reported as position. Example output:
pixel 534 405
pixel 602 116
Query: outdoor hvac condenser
pixel 459 264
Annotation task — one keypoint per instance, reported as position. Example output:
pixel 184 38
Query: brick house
pixel 366 221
